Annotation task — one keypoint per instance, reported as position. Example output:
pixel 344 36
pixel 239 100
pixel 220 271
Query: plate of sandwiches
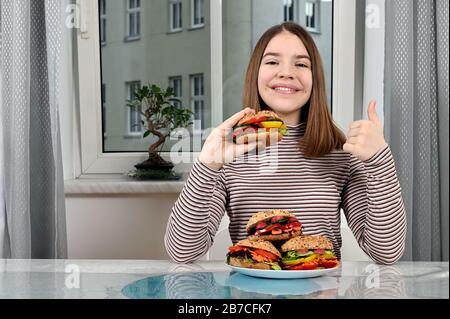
pixel 299 256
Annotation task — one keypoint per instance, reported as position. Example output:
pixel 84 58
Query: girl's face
pixel 285 77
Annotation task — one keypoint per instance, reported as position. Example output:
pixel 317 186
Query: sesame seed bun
pixel 307 242
pixel 269 138
pixel 260 244
pixel 239 262
pixel 262 216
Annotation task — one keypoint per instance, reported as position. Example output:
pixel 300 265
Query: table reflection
pixel 226 285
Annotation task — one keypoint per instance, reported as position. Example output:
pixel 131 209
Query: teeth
pixel 284 89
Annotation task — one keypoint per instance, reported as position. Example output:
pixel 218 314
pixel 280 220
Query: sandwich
pixel 262 126
pixel 254 254
pixel 273 225
pixel 308 253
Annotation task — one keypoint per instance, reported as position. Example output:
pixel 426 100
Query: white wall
pixel 117 226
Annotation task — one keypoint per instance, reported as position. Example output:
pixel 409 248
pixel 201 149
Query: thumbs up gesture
pixel 365 138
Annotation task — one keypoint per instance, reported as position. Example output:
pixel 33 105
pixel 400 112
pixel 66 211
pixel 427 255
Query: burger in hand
pixel 273 225
pixel 254 254
pixel 308 253
pixel 262 126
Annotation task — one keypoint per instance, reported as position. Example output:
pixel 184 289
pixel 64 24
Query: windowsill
pixel 120 185
pixel 132 39
pixel 196 27
pixel 175 31
pixel 315 31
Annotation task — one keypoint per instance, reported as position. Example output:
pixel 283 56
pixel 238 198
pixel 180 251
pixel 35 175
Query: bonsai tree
pixel 161 118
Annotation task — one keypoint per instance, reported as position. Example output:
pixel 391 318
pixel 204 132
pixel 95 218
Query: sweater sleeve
pixel 373 205
pixel 196 215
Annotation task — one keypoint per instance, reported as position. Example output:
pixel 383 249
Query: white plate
pixel 284 274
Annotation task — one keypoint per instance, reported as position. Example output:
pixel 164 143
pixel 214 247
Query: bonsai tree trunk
pixel 155 161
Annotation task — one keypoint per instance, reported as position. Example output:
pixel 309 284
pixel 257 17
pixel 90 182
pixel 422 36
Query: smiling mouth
pixel 284 90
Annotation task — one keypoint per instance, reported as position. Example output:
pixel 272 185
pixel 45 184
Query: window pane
pixel 131 26
pixel 241 34
pixel 153 59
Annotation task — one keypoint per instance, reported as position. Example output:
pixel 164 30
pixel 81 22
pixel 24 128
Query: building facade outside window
pixel 197 12
pixel 103 22
pixel 133 19
pixel 312 15
pixel 134 117
pixel 198 101
pixel 176 84
pixel 176 16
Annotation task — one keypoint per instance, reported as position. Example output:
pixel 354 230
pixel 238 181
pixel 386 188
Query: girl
pixel 318 170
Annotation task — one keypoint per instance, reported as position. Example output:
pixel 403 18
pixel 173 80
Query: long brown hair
pixel 322 136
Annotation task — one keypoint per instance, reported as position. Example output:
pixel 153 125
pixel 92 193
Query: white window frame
pixel 103 22
pixel 200 97
pixel 316 14
pixel 173 18
pixel 90 135
pixel 129 95
pixel 178 93
pixel 136 11
pixel 202 11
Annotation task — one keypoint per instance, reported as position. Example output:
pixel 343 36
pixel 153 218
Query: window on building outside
pixel 198 19
pixel 198 101
pixel 175 82
pixel 103 21
pixel 134 19
pixel 312 15
pixel 288 10
pixel 134 117
pixel 175 15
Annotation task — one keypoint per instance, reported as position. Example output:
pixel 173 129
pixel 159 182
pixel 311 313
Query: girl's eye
pixel 271 62
pixel 303 65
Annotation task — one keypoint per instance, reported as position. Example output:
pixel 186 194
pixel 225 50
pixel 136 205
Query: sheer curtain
pixel 417 117
pixel 32 216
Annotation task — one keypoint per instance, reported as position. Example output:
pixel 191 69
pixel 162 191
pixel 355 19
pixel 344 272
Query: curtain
pixel 417 113
pixel 33 209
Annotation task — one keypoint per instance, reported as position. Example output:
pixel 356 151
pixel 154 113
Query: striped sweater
pixel 314 189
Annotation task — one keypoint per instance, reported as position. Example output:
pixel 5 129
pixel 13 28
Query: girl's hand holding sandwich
pixel 219 148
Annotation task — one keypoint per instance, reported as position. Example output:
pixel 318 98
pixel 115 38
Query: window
pixel 175 83
pixel 103 22
pixel 200 60
pixel 198 102
pixel 288 10
pixel 134 116
pixel 175 15
pixel 198 18
pixel 312 15
pixel 133 19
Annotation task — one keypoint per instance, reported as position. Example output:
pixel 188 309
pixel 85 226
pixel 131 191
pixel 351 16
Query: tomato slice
pixel 237 248
pixel 306 266
pixel 330 263
pixel 266 254
pixel 255 119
